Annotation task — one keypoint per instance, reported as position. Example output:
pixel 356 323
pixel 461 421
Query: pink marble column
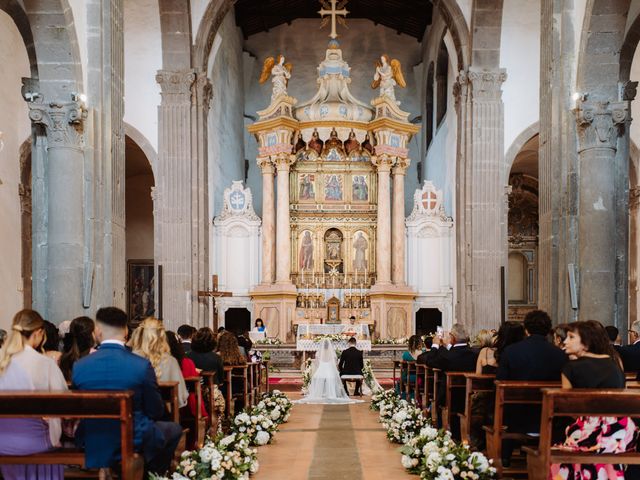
pixel 268 221
pixel 383 262
pixel 283 233
pixel 398 237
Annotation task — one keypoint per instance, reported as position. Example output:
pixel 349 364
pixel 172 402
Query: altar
pixel 310 336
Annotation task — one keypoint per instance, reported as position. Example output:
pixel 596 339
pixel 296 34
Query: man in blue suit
pixel 114 367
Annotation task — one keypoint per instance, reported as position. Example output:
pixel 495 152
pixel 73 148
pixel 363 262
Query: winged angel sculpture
pixel 388 75
pixel 280 73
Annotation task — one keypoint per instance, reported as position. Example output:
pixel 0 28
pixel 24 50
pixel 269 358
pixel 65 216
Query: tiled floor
pixel 332 442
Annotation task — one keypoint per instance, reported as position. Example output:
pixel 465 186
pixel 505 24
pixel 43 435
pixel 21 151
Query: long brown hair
pixel 24 324
pixel 594 337
pixel 229 350
pixel 78 342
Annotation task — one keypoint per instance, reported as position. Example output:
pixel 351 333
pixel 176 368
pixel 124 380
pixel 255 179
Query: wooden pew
pixel 265 368
pixel 408 369
pixel 511 393
pixel 454 383
pixel 475 383
pixel 116 405
pixel 419 388
pixel 254 382
pixel 574 403
pixel 209 380
pixel 437 375
pixel 425 373
pixel 197 424
pixel 231 372
pixel 169 392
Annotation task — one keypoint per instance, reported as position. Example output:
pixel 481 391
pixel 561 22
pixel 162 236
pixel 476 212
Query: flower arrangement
pixel 333 337
pixel 369 378
pixel 307 372
pixel 390 341
pixel 232 456
pixel 428 452
pixel 269 341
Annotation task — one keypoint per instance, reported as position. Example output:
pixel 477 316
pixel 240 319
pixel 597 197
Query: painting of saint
pixel 307 191
pixel 333 188
pixel 141 289
pixel 359 188
pixel 306 251
pixel 360 246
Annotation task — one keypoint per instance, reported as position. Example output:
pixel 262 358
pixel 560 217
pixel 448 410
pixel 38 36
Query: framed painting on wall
pixel 140 289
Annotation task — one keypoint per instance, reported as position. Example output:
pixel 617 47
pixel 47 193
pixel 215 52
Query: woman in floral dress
pixel 596 365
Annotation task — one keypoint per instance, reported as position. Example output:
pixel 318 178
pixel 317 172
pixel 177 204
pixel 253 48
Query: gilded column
pixel 283 256
pixel 599 123
pixel 268 221
pixel 398 231
pixel 63 123
pixel 383 240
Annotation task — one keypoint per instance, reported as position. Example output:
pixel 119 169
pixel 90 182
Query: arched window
pixel 442 76
pixel 429 107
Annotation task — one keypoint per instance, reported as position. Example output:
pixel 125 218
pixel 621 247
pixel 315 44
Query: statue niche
pixel 333 261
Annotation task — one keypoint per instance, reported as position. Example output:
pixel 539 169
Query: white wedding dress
pixel 326 386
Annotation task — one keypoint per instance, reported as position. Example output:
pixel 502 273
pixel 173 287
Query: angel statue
pixel 388 75
pixel 280 73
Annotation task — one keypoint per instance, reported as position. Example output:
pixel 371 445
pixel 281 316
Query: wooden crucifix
pixel 214 293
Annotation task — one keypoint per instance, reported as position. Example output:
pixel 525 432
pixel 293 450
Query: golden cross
pixel 214 293
pixel 334 12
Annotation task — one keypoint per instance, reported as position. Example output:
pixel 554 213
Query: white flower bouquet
pixel 405 423
pixel 256 425
pixel 276 405
pixel 369 378
pixel 269 341
pixel 383 397
pixel 307 372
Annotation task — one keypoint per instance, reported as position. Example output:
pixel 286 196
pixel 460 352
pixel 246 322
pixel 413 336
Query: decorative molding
pixel 634 198
pixel 175 87
pixel 283 161
pixel 628 90
pixel 383 162
pixel 427 203
pixel 238 202
pixel 600 124
pixel 266 165
pixel 63 122
pixel 204 90
pixel 487 84
pixel 400 168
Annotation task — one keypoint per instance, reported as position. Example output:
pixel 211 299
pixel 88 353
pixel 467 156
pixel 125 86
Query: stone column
pixel 383 233
pixel 487 180
pixel 65 212
pixel 268 221
pixel 174 192
pixel 398 231
pixel 599 126
pixel 283 236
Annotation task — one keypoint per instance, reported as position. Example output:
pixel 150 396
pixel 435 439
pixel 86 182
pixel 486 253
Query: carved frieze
pixel 600 123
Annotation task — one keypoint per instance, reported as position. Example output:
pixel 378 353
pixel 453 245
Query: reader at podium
pixel 259 331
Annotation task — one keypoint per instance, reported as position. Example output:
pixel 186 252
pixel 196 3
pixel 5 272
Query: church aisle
pixel 331 442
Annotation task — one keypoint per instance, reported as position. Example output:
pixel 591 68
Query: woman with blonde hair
pixel 149 340
pixel 22 367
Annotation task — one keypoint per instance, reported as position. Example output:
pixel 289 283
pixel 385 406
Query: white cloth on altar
pixel 326 386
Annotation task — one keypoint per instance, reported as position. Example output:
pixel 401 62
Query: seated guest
pixel 559 334
pixel 51 345
pixel 150 341
pixel 245 343
pixel 630 354
pixel 3 336
pixel 414 349
pixel 485 338
pixel 533 359
pixel 114 367
pixel 23 368
pixel 187 367
pixel 351 363
pixel 203 355
pixel 186 332
pixel 509 333
pixel 614 335
pixel 78 343
pixel 231 355
pixel 596 365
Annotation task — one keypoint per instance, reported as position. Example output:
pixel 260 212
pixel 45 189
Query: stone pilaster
pixel 398 229
pixel 268 221
pixel 283 163
pixel 383 164
pixel 599 125
pixel 486 201
pixel 175 174
pixel 62 294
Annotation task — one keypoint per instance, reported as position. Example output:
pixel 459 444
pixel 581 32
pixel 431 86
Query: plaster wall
pixel 304 45
pixel 139 223
pixel 143 58
pixel 79 10
pixel 520 55
pixel 226 124
pixel 198 7
pixel 634 11
pixel 16 128
pixel 635 104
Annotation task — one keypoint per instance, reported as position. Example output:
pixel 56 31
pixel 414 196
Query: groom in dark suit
pixel 352 363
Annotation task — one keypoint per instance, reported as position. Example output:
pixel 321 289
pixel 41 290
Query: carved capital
pixel 266 166
pixel 283 161
pixel 487 84
pixel 461 87
pixel 634 198
pixel 24 191
pixel 600 124
pixel 628 90
pixel 383 162
pixel 401 165
pixel 175 87
pixel 62 122
pixel 204 91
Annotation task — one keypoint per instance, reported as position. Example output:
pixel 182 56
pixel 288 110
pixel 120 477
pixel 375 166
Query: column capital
pixel 461 87
pixel 204 90
pixel 265 164
pixel 62 120
pixel 628 90
pixel 175 87
pixel 283 161
pixel 401 165
pixel 383 162
pixel 634 198
pixel 600 123
pixel 486 84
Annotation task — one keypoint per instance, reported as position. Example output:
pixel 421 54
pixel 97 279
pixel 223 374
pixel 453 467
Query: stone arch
pixel 144 144
pixel 19 16
pixel 629 45
pixel 524 136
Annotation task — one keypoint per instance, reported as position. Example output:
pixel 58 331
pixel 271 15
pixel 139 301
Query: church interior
pixel 377 169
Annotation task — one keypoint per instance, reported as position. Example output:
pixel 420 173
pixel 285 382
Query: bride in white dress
pixel 326 385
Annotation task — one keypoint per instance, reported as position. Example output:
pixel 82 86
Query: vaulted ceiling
pixel 410 17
